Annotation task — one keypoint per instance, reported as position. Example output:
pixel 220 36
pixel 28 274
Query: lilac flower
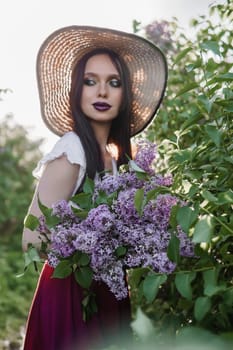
pixel 100 218
pixel 108 184
pixel 53 259
pixel 186 245
pixel 146 155
pixel 124 205
pixel 160 33
pixel 63 210
pixel 43 228
pixel 160 180
pixel 116 224
pixel 158 211
pixel 114 277
pixel 86 239
pixel 162 264
pixel 62 240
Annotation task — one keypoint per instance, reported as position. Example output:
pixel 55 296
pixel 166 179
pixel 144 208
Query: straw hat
pixel 63 48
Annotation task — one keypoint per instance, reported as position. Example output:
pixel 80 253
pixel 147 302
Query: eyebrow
pixel 113 75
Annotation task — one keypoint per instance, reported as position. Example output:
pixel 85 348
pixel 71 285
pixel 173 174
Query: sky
pixel 24 24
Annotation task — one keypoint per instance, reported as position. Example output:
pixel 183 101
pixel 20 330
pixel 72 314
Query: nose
pixel 102 92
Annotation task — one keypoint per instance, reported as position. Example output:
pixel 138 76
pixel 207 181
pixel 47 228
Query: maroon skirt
pixel 55 319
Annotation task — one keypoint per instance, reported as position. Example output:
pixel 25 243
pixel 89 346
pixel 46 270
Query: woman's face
pixel 102 91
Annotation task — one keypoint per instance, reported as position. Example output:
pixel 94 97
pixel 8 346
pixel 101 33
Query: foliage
pixel 194 132
pixel 18 156
pixel 16 294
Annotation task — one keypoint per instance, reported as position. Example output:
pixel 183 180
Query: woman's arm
pixel 57 182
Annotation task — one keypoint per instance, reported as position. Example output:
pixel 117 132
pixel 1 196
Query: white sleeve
pixel 70 145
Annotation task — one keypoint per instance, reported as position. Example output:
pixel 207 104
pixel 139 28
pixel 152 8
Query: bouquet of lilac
pixel 118 222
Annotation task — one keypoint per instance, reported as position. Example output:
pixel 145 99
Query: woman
pixel 97 87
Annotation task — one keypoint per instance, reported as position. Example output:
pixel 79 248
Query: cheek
pixel 84 99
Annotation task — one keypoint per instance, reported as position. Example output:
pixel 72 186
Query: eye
pixel 89 82
pixel 115 83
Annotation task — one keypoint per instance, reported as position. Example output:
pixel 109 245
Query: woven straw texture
pixel 63 48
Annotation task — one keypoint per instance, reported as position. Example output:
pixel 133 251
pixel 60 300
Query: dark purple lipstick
pixel 101 106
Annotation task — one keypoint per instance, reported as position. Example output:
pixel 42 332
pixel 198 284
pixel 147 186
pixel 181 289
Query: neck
pixel 101 133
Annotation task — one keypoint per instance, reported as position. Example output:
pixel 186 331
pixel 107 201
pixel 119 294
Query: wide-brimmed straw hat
pixel 63 48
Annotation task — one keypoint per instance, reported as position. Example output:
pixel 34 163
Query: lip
pixel 101 106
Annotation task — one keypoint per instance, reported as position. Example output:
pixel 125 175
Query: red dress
pixel 55 319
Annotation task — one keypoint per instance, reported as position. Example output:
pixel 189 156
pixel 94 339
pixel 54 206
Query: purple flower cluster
pixel 146 155
pixel 160 33
pixel 143 235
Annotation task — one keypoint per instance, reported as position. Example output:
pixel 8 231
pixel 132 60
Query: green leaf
pixel 83 276
pixel 210 282
pixel 80 213
pixel 193 190
pixel 173 216
pixel 30 256
pixel 186 217
pixel 211 46
pixel 84 200
pixel 190 67
pixel 183 284
pixel 80 258
pixel 173 249
pixel 151 286
pixel 46 211
pixel 210 277
pixel 84 259
pixel 183 155
pixel 208 196
pixel 226 249
pixel 225 197
pixel 136 275
pixel 201 307
pixel 133 165
pixel 138 200
pixel 62 270
pixel 211 290
pixel 51 220
pixel 182 54
pixel 31 222
pixel 187 88
pixel 152 194
pixel 102 198
pixel 214 134
pixel 120 251
pixel 203 230
pixel 89 306
pixel 227 105
pixel 225 77
pixel 88 186
pixel 206 102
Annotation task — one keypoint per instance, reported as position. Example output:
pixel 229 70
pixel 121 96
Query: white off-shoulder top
pixel 70 145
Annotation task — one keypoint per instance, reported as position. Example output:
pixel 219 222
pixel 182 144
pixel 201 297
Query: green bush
pixel 18 156
pixel 194 133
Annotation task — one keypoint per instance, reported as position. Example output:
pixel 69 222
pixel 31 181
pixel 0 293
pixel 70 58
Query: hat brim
pixel 59 52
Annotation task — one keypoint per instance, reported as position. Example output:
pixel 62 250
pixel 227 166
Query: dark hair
pixel 120 128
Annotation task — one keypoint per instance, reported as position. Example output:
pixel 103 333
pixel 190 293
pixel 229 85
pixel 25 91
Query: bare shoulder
pixel 58 180
pixel 61 167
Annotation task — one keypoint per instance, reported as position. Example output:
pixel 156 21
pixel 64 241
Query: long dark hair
pixel 120 128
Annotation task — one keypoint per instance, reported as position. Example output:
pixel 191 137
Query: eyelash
pixel 113 82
